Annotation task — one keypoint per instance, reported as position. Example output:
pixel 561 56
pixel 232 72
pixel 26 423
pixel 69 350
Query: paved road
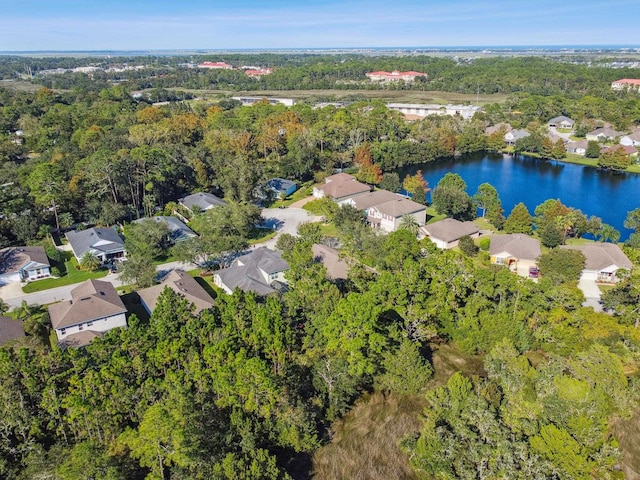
pixel 285 220
pixel 591 294
pixel 14 297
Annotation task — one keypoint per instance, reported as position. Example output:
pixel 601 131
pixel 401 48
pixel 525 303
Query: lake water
pixel 532 181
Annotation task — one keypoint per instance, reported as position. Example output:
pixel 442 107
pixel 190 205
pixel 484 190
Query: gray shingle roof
pixel 14 259
pixel 95 239
pixel 91 300
pixel 280 185
pixel 10 329
pixel 202 200
pixel 178 230
pixel 398 207
pixel 518 245
pixel 602 255
pixel 336 267
pixel 561 119
pixel 245 273
pixel 368 200
pixel 181 283
pixel 450 229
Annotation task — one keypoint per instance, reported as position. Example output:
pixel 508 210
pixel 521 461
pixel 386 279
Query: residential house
pixel 104 243
pixel 626 84
pixel 281 187
pixel 257 72
pixel 603 134
pixel 178 231
pixel 95 307
pixel 339 187
pixel 561 122
pixel 517 251
pixel 631 140
pixel 260 271
pixel 504 127
pixel 626 150
pixel 579 147
pixel 183 284
pixel 448 232
pixel 603 260
pixel 10 330
pixel 394 76
pixel 367 200
pixel 201 201
pixel 514 135
pixel 337 268
pixel 388 216
pixel 23 264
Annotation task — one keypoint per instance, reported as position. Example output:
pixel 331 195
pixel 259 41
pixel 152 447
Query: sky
pixel 81 25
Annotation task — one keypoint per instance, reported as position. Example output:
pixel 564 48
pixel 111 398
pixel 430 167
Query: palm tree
pixel 90 262
pixel 409 222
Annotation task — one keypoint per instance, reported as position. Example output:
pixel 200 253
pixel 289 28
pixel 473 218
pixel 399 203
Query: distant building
pixel 258 72
pixel 215 65
pixel 631 140
pixel 423 110
pixel 514 135
pixel 249 101
pixel 95 307
pixel 579 147
pixel 394 76
pixel 601 134
pixel 626 83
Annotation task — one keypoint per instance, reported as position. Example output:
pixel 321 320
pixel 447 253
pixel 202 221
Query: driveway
pixel 591 294
pixel 285 220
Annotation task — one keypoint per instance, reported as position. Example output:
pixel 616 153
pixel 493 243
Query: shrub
pixel 485 243
pixel 467 246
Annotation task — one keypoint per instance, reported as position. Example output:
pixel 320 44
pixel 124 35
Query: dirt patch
pixel 627 432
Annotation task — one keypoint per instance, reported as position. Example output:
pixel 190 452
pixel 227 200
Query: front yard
pixel 72 274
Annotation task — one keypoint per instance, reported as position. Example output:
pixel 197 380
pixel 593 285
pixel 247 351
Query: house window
pixel 80 327
pixel 63 331
pixel 499 261
pixel 90 324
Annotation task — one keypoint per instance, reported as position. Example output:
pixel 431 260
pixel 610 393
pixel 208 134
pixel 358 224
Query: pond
pixel 530 180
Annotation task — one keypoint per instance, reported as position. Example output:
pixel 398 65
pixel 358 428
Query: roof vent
pixel 85 298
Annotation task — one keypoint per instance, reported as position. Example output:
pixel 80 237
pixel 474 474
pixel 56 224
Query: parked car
pixel 533 272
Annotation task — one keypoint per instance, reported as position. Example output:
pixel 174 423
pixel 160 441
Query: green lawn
pixel 73 275
pixel 329 230
pixel 433 216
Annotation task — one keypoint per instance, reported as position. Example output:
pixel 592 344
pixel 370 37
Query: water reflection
pixel 525 179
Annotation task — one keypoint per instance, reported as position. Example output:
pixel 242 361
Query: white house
pixel 95 307
pixel 603 260
pixel 448 232
pixel 23 264
pixel 514 135
pixel 602 134
pixel 561 122
pixel 424 110
pixel 394 76
pixel 631 140
pixel 579 147
pixel 388 216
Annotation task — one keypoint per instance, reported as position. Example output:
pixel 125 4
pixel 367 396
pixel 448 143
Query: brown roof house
pixel 337 268
pixel 10 330
pixel 517 251
pixel 95 307
pixel 183 284
pixel 370 199
pixel 340 187
pixel 601 134
pixel 387 216
pixel 448 232
pixel 260 271
pixel 23 264
pixel 603 260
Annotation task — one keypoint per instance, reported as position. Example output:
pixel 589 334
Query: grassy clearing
pixel 433 216
pixel 365 443
pixel 73 275
pixel 20 85
pixel 262 235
